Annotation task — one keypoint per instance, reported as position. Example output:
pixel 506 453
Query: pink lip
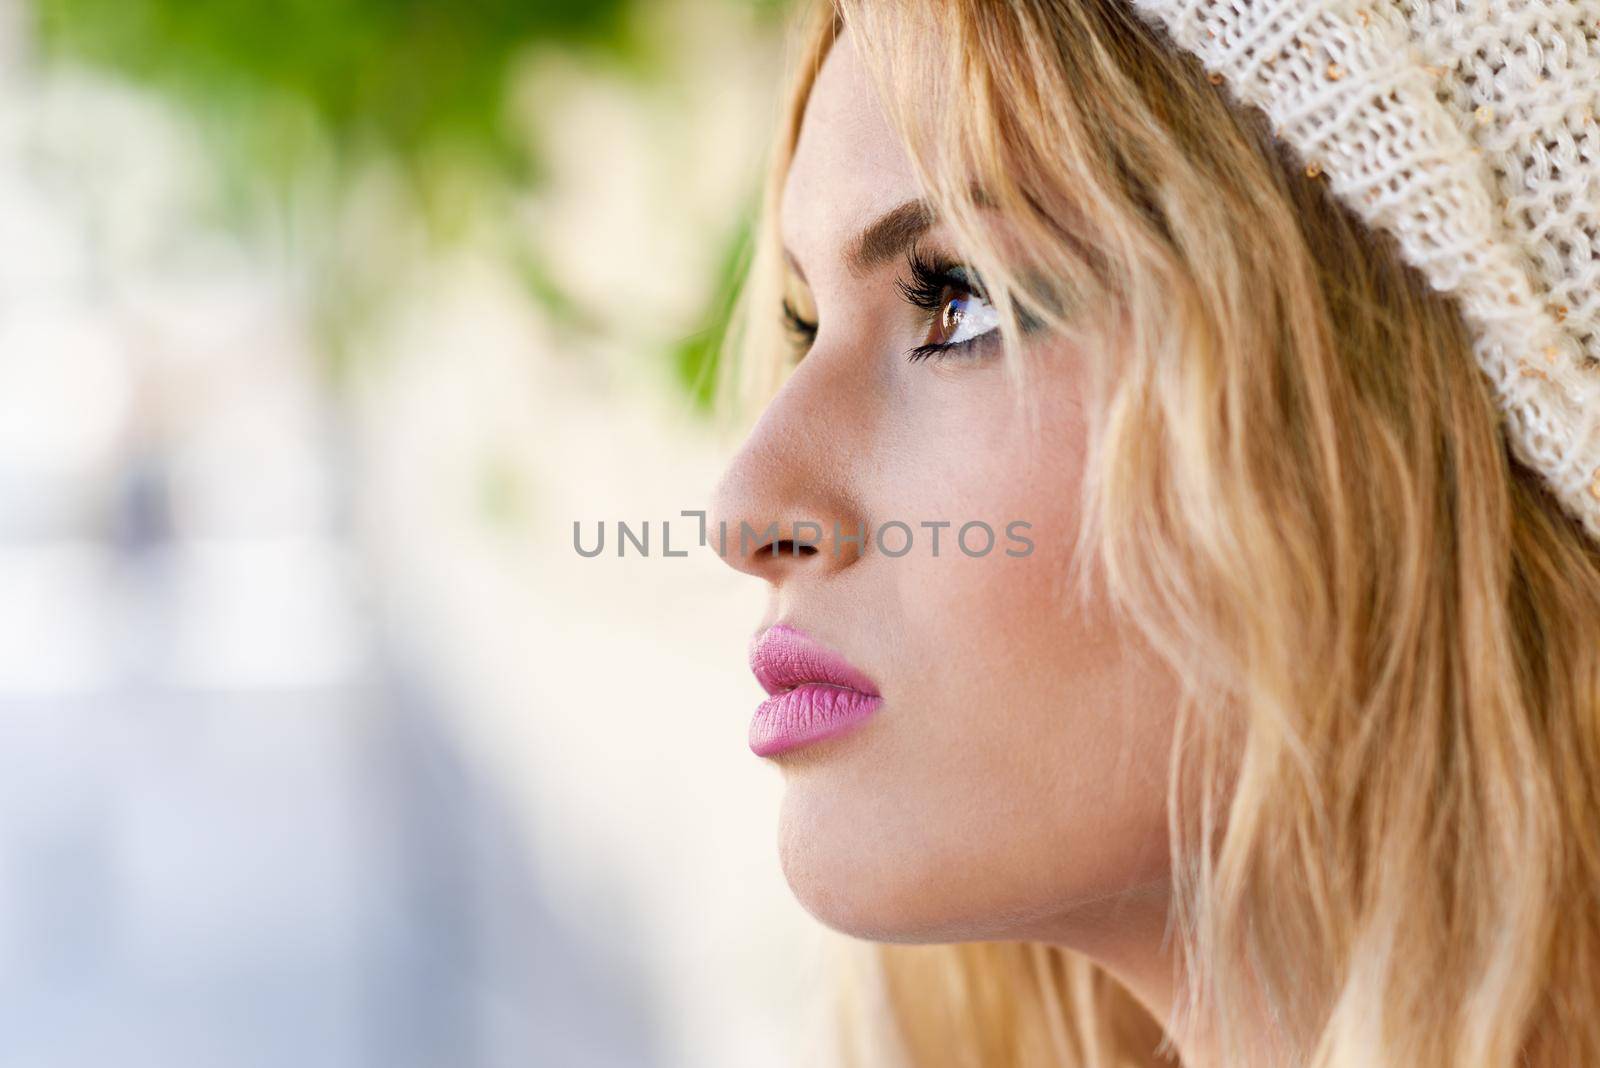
pixel 816 693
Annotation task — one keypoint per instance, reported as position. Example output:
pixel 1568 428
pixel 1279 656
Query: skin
pixel 1012 785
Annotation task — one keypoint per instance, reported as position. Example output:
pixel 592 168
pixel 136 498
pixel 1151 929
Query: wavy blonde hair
pixel 1298 488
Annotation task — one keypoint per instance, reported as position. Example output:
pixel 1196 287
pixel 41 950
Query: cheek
pixel 1018 767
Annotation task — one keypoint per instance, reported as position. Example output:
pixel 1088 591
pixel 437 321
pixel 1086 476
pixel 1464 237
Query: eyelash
pixel 802 332
pixel 929 288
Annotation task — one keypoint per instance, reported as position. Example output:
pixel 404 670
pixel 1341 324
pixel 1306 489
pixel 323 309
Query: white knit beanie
pixel 1468 129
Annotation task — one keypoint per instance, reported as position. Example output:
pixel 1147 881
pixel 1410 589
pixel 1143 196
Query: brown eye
pixel 948 317
pixel 954 309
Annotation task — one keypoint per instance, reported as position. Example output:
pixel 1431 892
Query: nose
pixel 788 504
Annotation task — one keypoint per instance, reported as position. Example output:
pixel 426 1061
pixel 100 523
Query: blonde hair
pixel 1298 489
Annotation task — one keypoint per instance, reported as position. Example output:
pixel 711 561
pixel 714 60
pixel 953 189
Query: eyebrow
pixel 885 238
pixel 889 235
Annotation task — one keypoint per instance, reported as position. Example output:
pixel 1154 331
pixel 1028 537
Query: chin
pixel 843 863
pixel 867 871
pixel 875 862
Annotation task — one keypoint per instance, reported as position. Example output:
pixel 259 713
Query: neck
pixel 1127 937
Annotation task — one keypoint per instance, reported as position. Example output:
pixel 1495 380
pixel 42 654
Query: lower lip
pixel 809 713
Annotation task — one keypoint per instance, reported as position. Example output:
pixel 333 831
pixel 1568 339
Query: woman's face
pixel 1009 779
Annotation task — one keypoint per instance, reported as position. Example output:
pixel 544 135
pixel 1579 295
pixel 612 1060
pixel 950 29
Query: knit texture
pixel 1467 129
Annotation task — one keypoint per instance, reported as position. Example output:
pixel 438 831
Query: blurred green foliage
pixel 697 359
pixel 296 98
pixel 414 79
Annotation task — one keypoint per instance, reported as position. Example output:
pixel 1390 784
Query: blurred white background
pixel 319 743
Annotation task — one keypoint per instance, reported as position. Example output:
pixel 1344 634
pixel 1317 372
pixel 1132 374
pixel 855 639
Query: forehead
pixel 849 166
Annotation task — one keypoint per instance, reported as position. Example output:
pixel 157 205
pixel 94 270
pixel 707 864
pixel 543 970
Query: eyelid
pixel 928 289
pixel 798 309
pixel 802 333
pixel 792 315
pixel 930 277
pixel 949 350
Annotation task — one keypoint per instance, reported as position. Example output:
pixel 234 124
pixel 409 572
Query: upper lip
pixel 783 658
